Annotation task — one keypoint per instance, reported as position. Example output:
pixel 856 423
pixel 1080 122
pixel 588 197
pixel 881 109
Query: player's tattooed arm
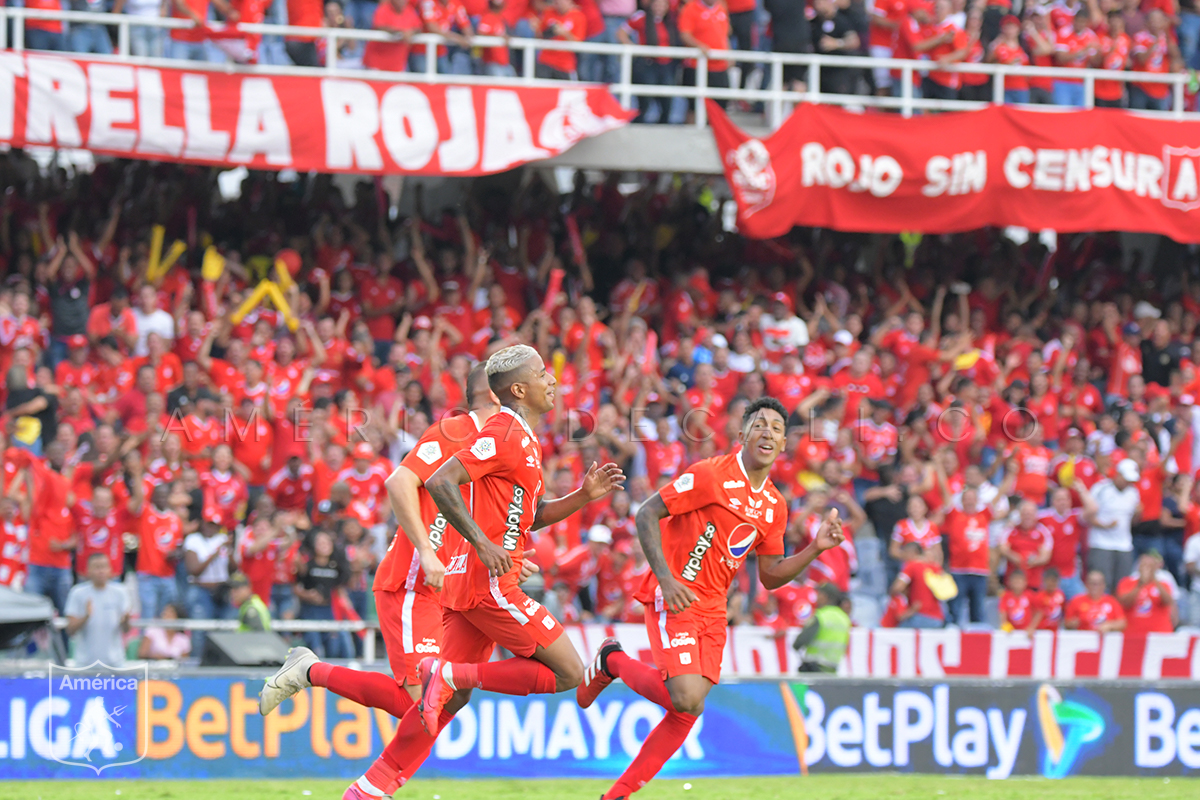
pixel 443 488
pixel 776 571
pixel 676 597
pixel 598 482
pixel 402 486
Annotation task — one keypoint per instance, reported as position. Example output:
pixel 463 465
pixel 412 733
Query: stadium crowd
pixel 1154 36
pixel 1017 417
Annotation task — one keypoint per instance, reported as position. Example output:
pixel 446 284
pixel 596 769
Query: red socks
pixel 659 746
pixel 370 689
pixel 405 753
pixel 512 676
pixel 644 679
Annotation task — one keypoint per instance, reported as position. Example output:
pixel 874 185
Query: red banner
pixel 949 652
pixel 303 123
pixel 1097 170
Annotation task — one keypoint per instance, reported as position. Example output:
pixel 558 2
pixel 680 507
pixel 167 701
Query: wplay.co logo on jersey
pixel 95 713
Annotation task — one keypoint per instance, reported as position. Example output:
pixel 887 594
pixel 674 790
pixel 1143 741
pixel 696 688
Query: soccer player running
pixel 696 533
pixel 484 603
pixel 407 583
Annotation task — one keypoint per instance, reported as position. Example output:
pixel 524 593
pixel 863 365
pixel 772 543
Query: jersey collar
pixel 742 467
pixel 475 419
pixel 520 419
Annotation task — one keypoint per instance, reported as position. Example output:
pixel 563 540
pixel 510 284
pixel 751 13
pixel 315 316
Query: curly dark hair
pixel 769 403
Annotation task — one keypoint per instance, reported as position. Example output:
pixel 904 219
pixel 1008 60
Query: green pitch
pixel 817 787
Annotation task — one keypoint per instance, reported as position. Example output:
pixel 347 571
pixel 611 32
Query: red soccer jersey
pixel 100 535
pixel 1116 57
pixel 709 24
pixel 1026 544
pixel 1078 46
pixel 854 389
pixel 14 552
pixel 1051 605
pixel 878 442
pixel 1033 472
pixel 967 536
pixel 1157 60
pixel 367 487
pixel 1127 361
pixel 835 565
pixel 159 534
pixel 505 465
pixel 1017 609
pixel 1064 531
pixel 401 567
pixel 1150 612
pixel 920 596
pixel 291 492
pixel 1092 613
pixel 716 519
pixel 226 495
pixel 252 442
pixel 924 533
pixel 894 11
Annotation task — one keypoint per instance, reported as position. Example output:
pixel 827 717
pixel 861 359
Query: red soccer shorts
pixel 687 643
pixel 515 621
pixel 411 624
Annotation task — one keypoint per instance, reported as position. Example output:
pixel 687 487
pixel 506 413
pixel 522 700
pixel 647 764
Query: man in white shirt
pixel 149 319
pixel 206 555
pixel 782 329
pixel 1191 563
pixel 97 614
pixel 1109 511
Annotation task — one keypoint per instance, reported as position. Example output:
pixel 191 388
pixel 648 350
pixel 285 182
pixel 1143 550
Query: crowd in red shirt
pixel 956 400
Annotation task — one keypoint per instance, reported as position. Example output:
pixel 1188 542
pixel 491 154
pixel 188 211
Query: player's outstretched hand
pixel 493 556
pixel 528 570
pixel 830 534
pixel 599 481
pixel 434 569
pixel 676 596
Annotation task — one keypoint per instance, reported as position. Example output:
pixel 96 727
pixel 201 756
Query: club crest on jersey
pixel 430 452
pixel 741 539
pixel 685 482
pixel 512 522
pixel 691 570
pixel 484 448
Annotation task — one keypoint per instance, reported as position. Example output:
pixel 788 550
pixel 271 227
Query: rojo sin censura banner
pixel 208 727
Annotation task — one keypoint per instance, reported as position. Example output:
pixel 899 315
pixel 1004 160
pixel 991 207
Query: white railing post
pixel 369 646
pixel 998 88
pixel 701 91
pixel 1177 98
pixel 529 63
pixel 1089 92
pixel 431 58
pixel 331 51
pixel 776 87
pixel 626 85
pixel 123 37
pixel 814 82
pixel 4 28
pixel 18 42
pixel 906 98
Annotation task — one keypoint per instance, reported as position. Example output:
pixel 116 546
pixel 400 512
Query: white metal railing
pixel 277 626
pixel 776 98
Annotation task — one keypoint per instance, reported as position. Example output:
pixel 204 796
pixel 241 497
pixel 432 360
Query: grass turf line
pixel 874 786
